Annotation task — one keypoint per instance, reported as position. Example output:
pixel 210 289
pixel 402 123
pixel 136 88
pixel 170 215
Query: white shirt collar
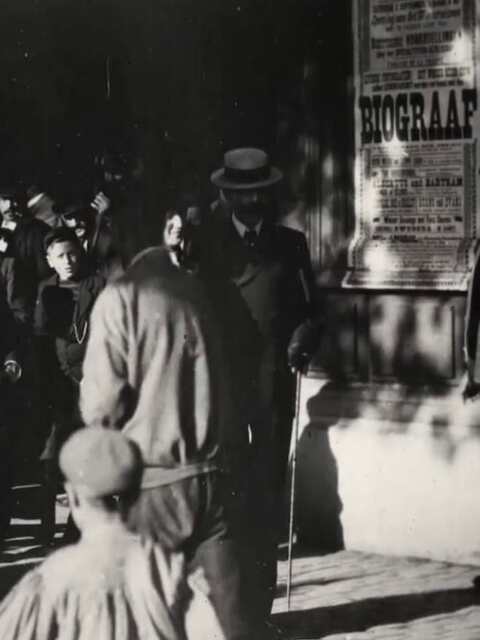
pixel 242 228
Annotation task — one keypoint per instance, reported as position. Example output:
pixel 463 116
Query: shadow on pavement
pixel 20 549
pixel 364 614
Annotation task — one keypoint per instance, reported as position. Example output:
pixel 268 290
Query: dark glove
pixel 471 390
pixel 302 346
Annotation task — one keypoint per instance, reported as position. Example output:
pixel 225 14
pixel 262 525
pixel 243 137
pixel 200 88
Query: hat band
pixel 246 176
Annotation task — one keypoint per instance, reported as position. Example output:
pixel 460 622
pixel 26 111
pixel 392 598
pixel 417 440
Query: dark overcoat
pixel 275 285
pixel 62 328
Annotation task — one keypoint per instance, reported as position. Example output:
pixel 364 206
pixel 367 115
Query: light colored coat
pixel 152 368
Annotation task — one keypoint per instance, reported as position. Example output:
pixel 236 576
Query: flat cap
pixel 101 462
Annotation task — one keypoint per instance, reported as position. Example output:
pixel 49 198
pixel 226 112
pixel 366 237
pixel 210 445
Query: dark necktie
pixel 250 238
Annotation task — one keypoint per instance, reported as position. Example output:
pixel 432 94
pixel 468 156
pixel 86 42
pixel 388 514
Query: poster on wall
pixel 417 123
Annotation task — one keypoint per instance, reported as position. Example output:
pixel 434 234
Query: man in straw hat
pixel 270 266
pixel 111 585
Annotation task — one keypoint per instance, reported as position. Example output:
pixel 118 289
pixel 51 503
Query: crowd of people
pixel 160 385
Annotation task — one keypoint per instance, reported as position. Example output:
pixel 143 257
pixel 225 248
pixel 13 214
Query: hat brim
pixel 72 211
pixel 218 179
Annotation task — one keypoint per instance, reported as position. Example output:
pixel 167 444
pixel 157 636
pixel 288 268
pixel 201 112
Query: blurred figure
pixel 180 239
pixel 154 370
pixel 41 205
pixel 120 179
pixel 112 584
pixel 62 317
pixel 21 241
pixel 12 346
pixel 22 266
pixel 174 236
pixel 92 224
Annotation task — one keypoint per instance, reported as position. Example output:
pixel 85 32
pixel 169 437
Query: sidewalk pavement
pixel 363 596
pixel 341 596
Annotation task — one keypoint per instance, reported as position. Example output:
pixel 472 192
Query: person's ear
pixel 49 259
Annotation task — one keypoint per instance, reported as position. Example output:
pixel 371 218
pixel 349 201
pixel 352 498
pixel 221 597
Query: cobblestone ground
pixel 359 596
pixel 21 549
pixel 346 595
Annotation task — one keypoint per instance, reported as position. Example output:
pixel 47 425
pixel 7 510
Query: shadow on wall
pixel 318 504
pixel 406 351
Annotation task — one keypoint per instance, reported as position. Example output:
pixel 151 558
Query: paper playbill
pixel 416 144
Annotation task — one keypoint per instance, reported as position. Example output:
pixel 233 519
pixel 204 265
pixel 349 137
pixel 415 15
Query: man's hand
pixel 101 203
pixel 302 346
pixel 471 389
pixel 298 360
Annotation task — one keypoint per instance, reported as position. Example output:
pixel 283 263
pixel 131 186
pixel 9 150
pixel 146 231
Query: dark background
pixel 188 80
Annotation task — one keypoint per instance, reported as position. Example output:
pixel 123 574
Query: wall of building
pixel 388 450
pixel 385 471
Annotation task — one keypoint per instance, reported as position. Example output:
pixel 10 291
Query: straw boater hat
pixel 246 168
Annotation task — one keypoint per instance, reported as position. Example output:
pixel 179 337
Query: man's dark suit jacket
pixel 275 285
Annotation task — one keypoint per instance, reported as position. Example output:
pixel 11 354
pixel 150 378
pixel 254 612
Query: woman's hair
pixel 171 213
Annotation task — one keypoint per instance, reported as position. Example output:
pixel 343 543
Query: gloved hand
pixel 298 360
pixel 302 345
pixel 471 390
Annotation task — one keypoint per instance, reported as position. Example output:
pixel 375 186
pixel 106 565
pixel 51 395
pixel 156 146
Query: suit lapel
pixel 242 268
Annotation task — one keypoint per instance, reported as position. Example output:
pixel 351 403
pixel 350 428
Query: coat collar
pixel 243 269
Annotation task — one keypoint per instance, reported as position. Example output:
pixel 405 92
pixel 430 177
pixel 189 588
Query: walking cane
pixel 296 421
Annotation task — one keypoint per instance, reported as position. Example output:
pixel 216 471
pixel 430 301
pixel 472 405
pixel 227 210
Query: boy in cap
pixel 62 313
pixel 112 584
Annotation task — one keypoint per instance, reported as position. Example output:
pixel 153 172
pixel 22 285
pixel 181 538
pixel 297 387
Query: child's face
pixel 64 257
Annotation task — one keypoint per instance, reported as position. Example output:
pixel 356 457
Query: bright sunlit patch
pixel 371 198
pixel 19 539
pixel 461 50
pixel 328 166
pixel 395 149
pixel 327 222
pixel 377 257
pixel 22 561
pixel 16 551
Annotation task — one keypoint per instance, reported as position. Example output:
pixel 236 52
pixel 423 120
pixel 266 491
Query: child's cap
pixel 100 461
